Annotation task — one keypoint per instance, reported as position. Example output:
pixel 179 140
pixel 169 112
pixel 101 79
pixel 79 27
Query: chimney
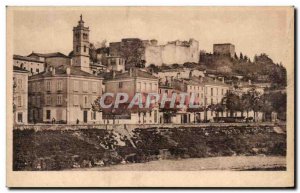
pixel 68 70
pixel 249 82
pixel 201 78
pixel 53 71
pixel 190 74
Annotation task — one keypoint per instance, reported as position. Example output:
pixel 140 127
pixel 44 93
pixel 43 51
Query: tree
pixel 175 66
pixel 132 52
pixel 241 56
pixel 278 102
pixel 256 101
pixel 246 103
pixel 141 64
pixel 232 102
pixel 153 68
pixel 101 44
pixel 93 53
pixel 235 56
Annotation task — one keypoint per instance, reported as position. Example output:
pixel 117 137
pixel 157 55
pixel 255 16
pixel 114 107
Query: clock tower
pixel 81 44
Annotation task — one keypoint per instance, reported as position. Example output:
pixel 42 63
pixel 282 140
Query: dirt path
pixel 196 164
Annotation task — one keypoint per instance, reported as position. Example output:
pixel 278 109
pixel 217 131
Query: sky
pixel 251 30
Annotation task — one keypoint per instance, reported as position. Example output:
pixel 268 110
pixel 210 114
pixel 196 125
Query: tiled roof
pixel 135 72
pixel 25 58
pixel 103 50
pixel 17 68
pixel 48 55
pixel 224 44
pixel 210 81
pixel 62 71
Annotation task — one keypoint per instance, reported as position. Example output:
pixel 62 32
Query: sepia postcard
pixel 150 96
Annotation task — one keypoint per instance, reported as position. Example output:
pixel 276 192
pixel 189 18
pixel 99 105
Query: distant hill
pixel 261 69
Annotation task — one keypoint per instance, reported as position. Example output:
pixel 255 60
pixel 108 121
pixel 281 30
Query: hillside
pixel 261 69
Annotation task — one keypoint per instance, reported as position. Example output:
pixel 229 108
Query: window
pixel 145 87
pixel 84 48
pixel 37 70
pixel 59 85
pixel 20 117
pixel 211 91
pixel 48 114
pixel 150 87
pixel 48 85
pixel 94 115
pixel 222 91
pixel 20 84
pixel 94 87
pixel 85 86
pixel 85 36
pixel 77 48
pixel 38 101
pixel 155 116
pixel 59 99
pixel 48 100
pixel 33 100
pixel 120 84
pixel 76 100
pixel 76 85
pixel 138 86
pixel 155 87
pixel 33 87
pixel 19 101
pixel 85 100
pixel 212 101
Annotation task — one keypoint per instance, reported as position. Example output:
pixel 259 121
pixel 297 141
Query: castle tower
pixel 81 46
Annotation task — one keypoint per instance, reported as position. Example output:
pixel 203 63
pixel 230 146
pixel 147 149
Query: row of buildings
pixel 54 88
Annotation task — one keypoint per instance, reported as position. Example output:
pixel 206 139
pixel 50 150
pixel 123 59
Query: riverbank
pixel 88 148
pixel 197 164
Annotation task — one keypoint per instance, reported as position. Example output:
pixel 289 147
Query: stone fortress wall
pixel 175 52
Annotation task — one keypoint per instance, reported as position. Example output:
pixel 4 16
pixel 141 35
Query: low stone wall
pixel 129 127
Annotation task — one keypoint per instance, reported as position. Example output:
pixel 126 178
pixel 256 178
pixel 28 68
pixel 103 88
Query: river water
pixel 196 164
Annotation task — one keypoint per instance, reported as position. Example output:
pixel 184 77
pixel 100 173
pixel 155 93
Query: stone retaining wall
pixel 130 127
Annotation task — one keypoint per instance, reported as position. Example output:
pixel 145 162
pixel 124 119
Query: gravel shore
pixel 195 164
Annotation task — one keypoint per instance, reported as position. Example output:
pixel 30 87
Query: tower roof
pixel 81 22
